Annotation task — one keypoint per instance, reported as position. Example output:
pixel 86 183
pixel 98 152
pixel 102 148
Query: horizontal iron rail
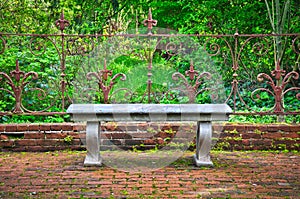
pixel 37 114
pixel 147 35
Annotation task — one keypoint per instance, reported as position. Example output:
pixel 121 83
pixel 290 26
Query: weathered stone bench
pixel 203 114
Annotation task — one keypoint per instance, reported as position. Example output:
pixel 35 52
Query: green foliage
pixel 42 55
pixel 34 119
pixel 106 16
pixel 68 139
pixel 265 119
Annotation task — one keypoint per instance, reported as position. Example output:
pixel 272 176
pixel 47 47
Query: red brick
pixel 159 126
pixel 110 127
pixel 240 127
pixel 166 127
pixel 273 127
pixel 246 142
pixel 295 128
pixel 291 135
pixel 131 128
pixel 11 128
pixel 53 142
pixel 133 142
pixel 45 127
pixel 22 127
pixel 33 127
pixel 272 135
pixel 187 128
pixel 284 127
pixel 111 142
pixel 257 147
pixel 82 135
pixel 67 127
pixel 76 135
pixel 77 147
pixel 34 135
pixel 141 135
pixel 56 148
pixel 25 142
pixel 76 142
pixel 3 137
pixel 6 143
pixel 251 136
pixel 229 127
pixel 160 141
pixel 251 127
pixel 19 149
pixel 56 127
pixel 34 149
pixel 162 135
pixel 120 136
pixel 233 142
pixel 2 127
pixel 191 135
pixel 142 126
pixel 286 142
pixel 228 134
pixel 238 147
pixel 79 127
pixel 258 142
pixel 56 135
pixel 262 128
pixel 218 127
pixel 149 142
pixel 224 135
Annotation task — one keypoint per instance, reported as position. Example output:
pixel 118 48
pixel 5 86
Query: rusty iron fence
pixel 253 73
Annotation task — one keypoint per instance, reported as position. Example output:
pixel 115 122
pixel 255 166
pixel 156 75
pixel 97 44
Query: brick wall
pixel 49 137
pixel 259 137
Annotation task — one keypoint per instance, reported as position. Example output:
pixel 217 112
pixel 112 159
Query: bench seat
pixel 203 114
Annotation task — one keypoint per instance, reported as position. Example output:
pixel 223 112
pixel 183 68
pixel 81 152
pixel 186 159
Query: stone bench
pixel 203 114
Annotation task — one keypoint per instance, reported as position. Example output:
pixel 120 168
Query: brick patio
pixel 235 175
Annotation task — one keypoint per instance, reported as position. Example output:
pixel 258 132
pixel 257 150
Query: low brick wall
pixel 228 136
pixel 259 137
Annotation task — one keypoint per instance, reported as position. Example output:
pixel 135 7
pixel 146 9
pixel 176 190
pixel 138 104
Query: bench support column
pixel 93 157
pixel 203 144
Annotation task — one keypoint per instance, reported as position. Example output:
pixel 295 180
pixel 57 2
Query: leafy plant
pixel 68 139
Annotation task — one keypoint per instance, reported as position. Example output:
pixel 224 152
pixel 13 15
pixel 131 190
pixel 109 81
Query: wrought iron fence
pixel 253 73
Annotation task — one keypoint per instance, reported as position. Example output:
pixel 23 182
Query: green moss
pixel 68 139
pixel 234 138
pixel 151 130
pixel 234 131
pixel 256 131
pixel 170 131
pixel 124 192
pixel 220 146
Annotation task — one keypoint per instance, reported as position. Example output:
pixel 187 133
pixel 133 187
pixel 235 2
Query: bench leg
pixel 93 157
pixel 203 144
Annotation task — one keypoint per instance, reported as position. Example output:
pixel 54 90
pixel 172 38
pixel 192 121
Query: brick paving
pixel 61 174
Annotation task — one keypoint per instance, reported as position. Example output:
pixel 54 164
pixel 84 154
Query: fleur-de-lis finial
pixel 105 73
pixel 191 72
pixel 17 73
pixel 62 23
pixel 150 22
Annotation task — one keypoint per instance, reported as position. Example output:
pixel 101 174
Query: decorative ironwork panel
pixel 44 73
